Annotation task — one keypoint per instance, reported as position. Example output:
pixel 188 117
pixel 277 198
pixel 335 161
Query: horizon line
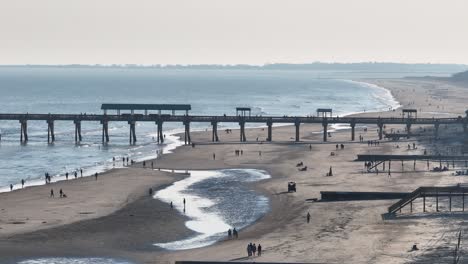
pixel 161 65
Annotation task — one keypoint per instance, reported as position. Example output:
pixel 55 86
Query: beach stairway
pixel 424 192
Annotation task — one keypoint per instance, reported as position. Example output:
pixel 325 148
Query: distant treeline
pixel 317 66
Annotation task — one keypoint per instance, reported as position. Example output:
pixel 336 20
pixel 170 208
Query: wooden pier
pixel 436 192
pixel 242 119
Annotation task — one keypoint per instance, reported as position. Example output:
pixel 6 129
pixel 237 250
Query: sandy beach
pixel 115 216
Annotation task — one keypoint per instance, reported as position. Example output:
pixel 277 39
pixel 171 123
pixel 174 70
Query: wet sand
pixel 351 231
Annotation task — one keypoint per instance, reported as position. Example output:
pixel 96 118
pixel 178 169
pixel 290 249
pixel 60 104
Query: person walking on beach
pixel 52 193
pixel 152 166
pixel 229 233
pixel 254 249
pixel 81 171
pixel 95 175
pixel 249 250
pixel 144 164
pixel 66 175
pixel 76 174
pixel 214 156
pixel 113 161
pixel 172 205
pixel 234 232
pixel 259 250
pixel 11 187
pixel 308 217
pixel 22 183
pixel 61 193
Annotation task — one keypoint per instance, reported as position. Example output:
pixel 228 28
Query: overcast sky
pixel 232 31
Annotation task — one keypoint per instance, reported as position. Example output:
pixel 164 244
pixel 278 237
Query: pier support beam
pixel 160 131
pixel 187 132
pixel 105 131
pixel 408 129
pixel 325 132
pixel 380 131
pixel 77 131
pixel 270 131
pixel 297 125
pixel 214 135
pixel 353 126
pixel 24 131
pixel 242 131
pixel 50 131
pixel 132 138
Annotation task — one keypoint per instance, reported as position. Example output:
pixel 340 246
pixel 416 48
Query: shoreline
pixel 107 165
pixel 287 210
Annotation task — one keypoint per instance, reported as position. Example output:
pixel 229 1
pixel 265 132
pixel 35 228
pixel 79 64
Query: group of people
pixel 252 250
pixel 75 173
pixel 339 146
pixel 61 193
pixel 238 152
pixel 373 143
pixel 233 233
pixel 144 165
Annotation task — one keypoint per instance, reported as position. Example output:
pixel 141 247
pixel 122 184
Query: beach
pixel 116 217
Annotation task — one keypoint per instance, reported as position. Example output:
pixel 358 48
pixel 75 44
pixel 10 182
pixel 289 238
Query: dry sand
pixel 351 231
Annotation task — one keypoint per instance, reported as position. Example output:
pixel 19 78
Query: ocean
pixel 83 90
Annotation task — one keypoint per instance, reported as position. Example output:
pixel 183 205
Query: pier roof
pixel 243 109
pixel 182 107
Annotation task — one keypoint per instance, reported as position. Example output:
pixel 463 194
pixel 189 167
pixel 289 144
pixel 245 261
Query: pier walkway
pixel 186 119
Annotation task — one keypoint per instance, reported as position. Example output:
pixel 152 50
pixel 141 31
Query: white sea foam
pixel 209 224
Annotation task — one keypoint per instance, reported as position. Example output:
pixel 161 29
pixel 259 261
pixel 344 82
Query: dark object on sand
pixel 299 164
pixel 291 187
pixel 414 248
pixel 303 169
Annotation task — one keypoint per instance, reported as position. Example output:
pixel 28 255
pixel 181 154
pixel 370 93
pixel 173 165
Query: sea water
pixel 215 201
pixel 210 92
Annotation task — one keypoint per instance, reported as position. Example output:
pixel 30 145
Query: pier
pixel 158 114
pixel 436 192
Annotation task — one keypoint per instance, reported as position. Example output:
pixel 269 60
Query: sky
pixel 232 31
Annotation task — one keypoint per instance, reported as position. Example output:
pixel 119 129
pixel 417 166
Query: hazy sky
pixel 231 32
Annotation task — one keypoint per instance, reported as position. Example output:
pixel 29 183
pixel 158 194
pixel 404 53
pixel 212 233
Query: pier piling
pixel 242 131
pixel 105 131
pixel 50 131
pixel 132 136
pixel 187 132
pixel 353 125
pixel 297 125
pixel 24 131
pixel 269 124
pixel 214 135
pixel 77 131
pixel 325 132
pixel 160 135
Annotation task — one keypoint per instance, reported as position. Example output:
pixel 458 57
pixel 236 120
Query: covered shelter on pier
pixel 243 111
pixel 410 113
pixel 324 112
pixel 146 107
